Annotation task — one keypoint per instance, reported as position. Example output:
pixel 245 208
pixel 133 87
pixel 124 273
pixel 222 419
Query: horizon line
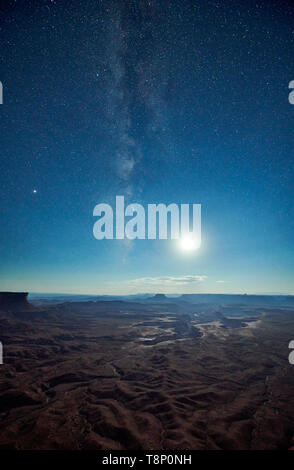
pixel 154 293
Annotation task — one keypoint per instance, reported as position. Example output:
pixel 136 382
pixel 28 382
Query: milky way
pixel 159 101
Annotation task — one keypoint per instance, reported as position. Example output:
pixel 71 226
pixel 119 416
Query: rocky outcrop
pixel 15 300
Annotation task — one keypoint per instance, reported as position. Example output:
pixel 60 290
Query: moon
pixel 189 243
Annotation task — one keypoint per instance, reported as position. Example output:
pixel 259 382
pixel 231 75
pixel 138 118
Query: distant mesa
pixel 159 298
pixel 15 300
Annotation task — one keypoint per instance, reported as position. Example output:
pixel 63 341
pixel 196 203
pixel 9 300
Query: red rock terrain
pixel 124 375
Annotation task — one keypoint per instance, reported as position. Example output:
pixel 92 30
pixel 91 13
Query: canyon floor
pixel 130 375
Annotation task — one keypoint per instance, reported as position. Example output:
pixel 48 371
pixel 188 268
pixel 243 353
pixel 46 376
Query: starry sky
pixel 161 101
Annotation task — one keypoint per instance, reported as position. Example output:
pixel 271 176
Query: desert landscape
pixel 155 373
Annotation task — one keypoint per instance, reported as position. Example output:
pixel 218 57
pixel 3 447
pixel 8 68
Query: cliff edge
pixel 14 300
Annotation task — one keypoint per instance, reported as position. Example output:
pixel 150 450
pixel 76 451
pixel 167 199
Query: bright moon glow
pixel 189 243
pixel 34 191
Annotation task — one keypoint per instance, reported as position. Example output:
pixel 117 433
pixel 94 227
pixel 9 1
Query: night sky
pixel 161 101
